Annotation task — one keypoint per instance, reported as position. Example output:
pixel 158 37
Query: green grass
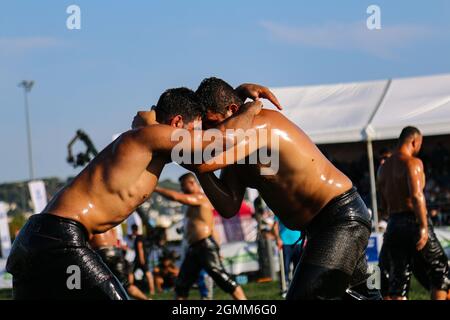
pixel 255 291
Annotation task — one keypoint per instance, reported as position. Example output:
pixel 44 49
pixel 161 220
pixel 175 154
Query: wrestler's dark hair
pixel 215 94
pixel 407 133
pixel 134 227
pixel 185 176
pixel 178 101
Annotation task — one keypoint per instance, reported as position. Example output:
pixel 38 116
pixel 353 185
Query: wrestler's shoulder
pixel 145 134
pixel 414 162
pixel 271 115
pixel 268 113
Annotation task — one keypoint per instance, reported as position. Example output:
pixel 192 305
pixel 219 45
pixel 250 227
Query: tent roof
pixel 332 113
pixel 422 102
pixel 343 112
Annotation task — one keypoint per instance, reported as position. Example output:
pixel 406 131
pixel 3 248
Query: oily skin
pixel 199 216
pixel 305 182
pixel 401 181
pixel 125 173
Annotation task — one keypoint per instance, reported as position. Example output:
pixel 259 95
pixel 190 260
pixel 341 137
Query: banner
pixel 38 195
pixel 443 235
pixel 119 232
pixel 242 257
pixel 374 247
pixel 4 231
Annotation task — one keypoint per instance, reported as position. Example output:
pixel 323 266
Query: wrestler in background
pixel 305 190
pixel 409 235
pixel 203 251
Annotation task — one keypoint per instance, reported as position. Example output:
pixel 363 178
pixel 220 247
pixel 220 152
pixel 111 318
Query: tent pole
pixel 373 187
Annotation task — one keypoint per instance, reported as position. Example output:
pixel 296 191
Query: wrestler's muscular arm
pixel 255 92
pixel 415 183
pixel 188 199
pixel 225 193
pixel 160 137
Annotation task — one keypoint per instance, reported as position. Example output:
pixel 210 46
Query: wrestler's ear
pixel 177 121
pixel 233 108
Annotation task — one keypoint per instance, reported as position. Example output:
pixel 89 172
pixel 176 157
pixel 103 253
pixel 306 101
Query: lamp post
pixel 27 85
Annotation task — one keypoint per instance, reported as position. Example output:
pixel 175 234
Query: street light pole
pixel 27 85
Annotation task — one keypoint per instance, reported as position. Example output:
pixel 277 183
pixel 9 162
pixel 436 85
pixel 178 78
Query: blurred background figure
pixel 291 244
pixel 141 258
pixel 108 247
pixel 166 273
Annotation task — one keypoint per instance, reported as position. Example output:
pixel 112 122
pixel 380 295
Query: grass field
pixel 255 291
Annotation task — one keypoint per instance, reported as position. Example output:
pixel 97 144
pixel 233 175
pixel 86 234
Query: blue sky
pixel 128 52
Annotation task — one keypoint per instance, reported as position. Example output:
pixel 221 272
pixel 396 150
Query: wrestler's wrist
pixel 423 228
pixel 241 91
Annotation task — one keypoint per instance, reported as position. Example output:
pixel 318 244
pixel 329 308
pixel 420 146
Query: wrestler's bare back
pixel 111 187
pixel 394 185
pixel 305 182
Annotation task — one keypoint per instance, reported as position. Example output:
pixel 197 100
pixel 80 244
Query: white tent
pixel 423 102
pixel 367 111
pixel 375 110
pixel 332 113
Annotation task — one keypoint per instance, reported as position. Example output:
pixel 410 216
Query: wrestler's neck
pixel 405 151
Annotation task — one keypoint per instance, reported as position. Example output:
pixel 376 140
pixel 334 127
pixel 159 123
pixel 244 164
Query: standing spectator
pixel 291 243
pixel 141 258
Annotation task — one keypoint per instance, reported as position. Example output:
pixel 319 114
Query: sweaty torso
pixel 305 181
pixel 393 184
pixel 199 222
pixel 110 188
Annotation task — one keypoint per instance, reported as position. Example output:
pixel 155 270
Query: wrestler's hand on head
pixel 423 238
pixel 143 119
pixel 256 91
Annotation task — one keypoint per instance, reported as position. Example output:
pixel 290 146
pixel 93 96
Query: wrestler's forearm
pixel 167 193
pixel 223 199
pixel 420 210
pixel 276 231
pixel 164 138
